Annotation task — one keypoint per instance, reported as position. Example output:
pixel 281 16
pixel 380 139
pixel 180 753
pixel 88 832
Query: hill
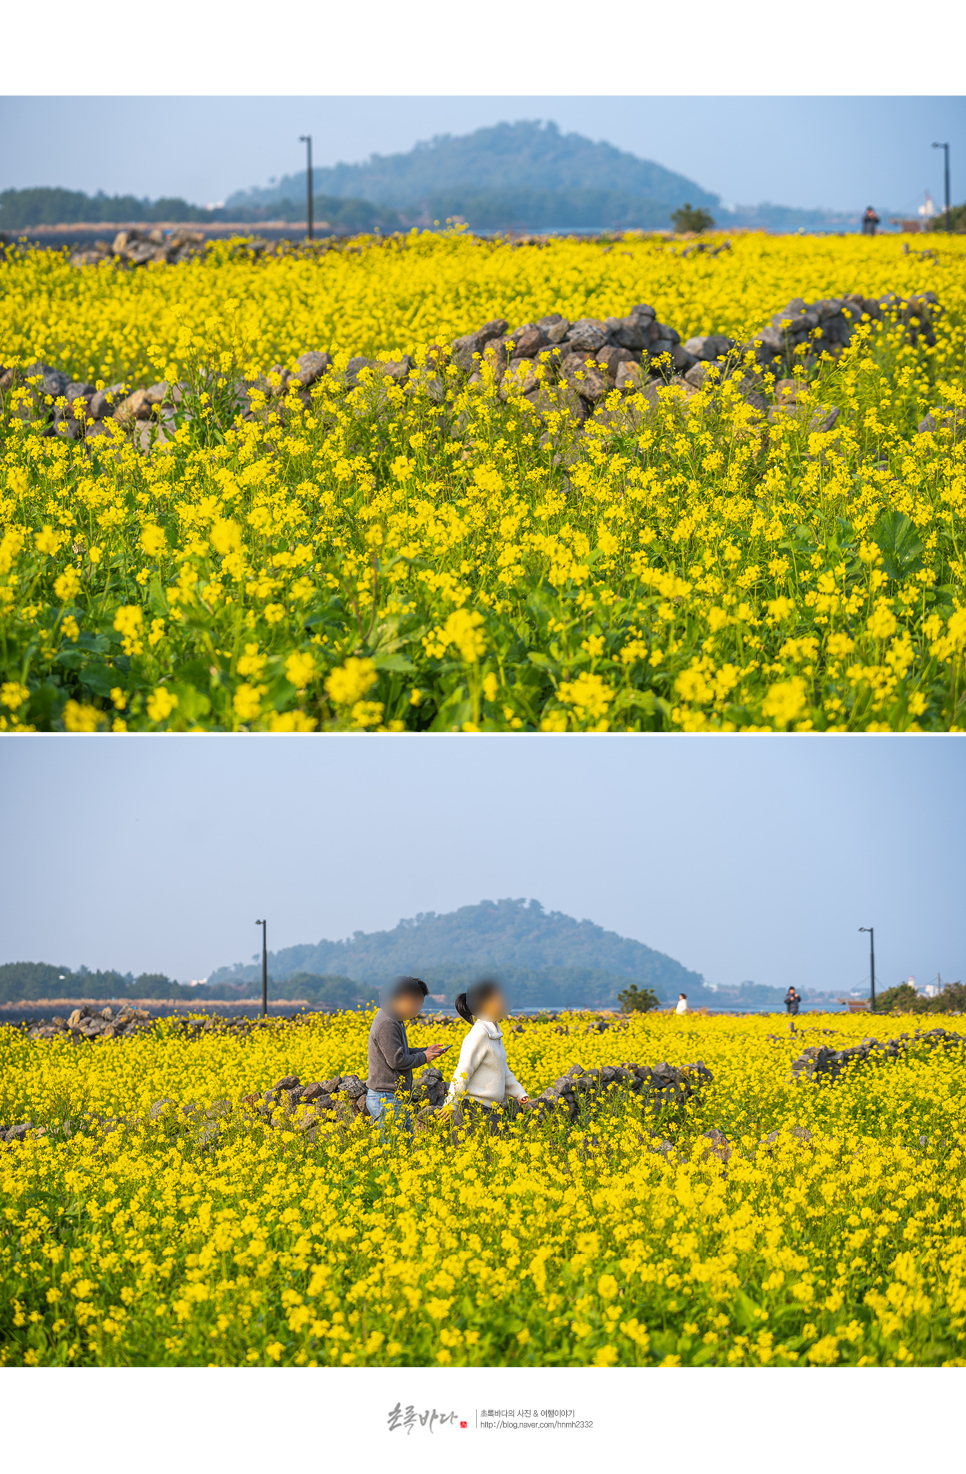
pixel 546 958
pixel 507 157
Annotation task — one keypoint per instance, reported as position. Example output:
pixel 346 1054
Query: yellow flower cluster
pixel 829 1231
pixel 437 555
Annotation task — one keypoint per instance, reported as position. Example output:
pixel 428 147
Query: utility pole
pixel 264 926
pixel 306 138
pixel 871 931
pixel 945 149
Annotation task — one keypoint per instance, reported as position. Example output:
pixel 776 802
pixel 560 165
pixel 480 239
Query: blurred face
pixel 407 1005
pixel 494 1008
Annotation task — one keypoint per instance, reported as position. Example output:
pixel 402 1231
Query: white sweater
pixel 482 1072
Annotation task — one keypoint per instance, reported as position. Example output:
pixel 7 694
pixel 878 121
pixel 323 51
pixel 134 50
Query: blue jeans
pixel 379 1102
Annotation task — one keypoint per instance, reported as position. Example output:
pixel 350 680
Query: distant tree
pixel 905 999
pixel 901 999
pixel 23 980
pixel 638 1000
pixel 157 985
pixel 329 992
pixel 690 217
pixel 957 220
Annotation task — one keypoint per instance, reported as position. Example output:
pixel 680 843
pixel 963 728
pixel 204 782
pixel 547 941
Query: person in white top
pixel 682 1003
pixel 483 1080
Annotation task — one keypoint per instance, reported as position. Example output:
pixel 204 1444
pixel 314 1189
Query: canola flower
pixel 215 1239
pixel 437 557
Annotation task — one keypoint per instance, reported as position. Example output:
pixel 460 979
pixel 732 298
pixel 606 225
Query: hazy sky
pixel 837 152
pixel 744 858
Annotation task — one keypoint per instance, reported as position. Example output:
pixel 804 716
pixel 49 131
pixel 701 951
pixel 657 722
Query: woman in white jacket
pixel 483 1080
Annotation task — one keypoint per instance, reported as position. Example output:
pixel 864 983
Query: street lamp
pixel 263 925
pixel 306 138
pixel 945 149
pixel 871 931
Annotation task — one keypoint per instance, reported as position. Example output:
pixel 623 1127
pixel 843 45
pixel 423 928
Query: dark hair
pixel 468 1004
pixel 415 986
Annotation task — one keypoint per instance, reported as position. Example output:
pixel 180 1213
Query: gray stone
pixel 54 382
pixel 519 378
pixel 527 341
pixel 698 374
pixel 946 417
pixel 631 377
pixel 794 320
pixel 588 332
pixel 158 393
pixel 590 385
pixel 103 401
pixel 611 358
pixel 660 331
pixel 629 332
pixel 77 395
pixel 311 366
pixel 464 348
pixel 823 418
pixel 396 369
pixel 828 307
pixel 709 347
pixel 770 338
pixel 555 327
pixel 135 407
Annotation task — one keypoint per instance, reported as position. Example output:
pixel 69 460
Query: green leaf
pixel 543 662
pixel 99 679
pixel 157 599
pixel 746 1311
pixel 393 662
pixel 543 606
pixel 192 704
pixel 897 538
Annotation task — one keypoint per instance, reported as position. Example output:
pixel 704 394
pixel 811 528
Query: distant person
pixel 792 1001
pixel 869 221
pixel 483 1081
pixel 682 1003
pixel 391 1061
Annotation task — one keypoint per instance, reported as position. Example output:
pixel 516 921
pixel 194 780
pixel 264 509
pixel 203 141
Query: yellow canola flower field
pixel 442 557
pixel 616 1240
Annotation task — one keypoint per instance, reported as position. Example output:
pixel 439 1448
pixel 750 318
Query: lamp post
pixel 264 925
pixel 306 138
pixel 871 931
pixel 945 149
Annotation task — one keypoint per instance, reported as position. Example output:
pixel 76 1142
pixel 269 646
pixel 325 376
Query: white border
pixel 756 1421
pixel 500 48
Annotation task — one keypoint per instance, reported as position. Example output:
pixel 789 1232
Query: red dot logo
pixel 462 1425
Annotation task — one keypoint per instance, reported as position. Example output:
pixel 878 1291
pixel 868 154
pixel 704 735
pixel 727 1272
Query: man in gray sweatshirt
pixel 391 1061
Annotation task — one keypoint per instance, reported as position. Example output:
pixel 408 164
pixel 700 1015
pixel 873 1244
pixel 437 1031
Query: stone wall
pixel 821 1062
pixel 343 1098
pixel 550 364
